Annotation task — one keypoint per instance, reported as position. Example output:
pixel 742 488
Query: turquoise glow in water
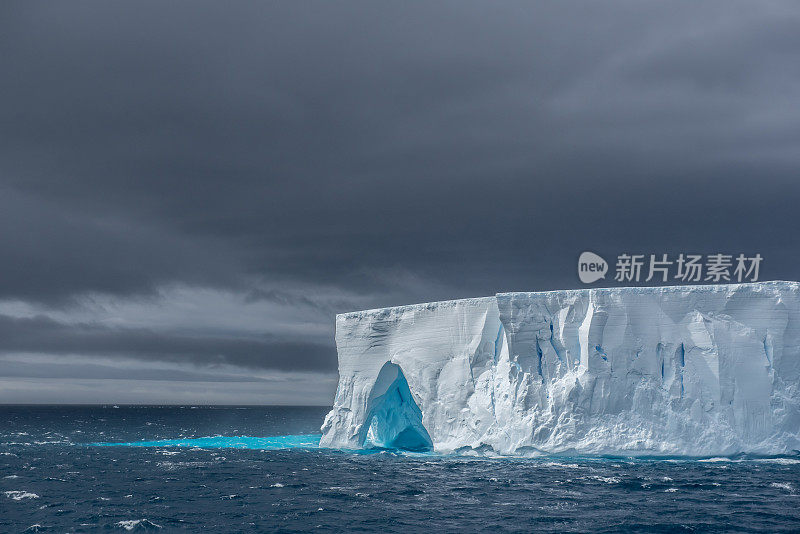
pixel 141 476
pixel 301 441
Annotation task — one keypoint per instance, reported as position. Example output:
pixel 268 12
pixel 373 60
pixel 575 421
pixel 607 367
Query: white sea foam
pixel 782 485
pixel 781 461
pixel 18 495
pixel 562 466
pixel 607 480
pixel 131 524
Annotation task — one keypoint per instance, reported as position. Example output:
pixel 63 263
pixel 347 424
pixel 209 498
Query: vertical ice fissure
pixel 674 370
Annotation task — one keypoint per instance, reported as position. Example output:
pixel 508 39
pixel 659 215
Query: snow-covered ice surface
pixel 684 370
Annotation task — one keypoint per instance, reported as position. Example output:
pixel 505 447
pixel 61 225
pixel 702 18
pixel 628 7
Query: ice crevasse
pixel 685 370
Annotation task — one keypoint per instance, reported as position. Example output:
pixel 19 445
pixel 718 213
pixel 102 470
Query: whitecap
pixel 131 524
pixel 565 466
pixel 781 461
pixel 607 480
pixel 276 485
pixel 18 495
pixel 782 485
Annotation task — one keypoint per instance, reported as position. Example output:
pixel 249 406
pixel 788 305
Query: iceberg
pixel 669 371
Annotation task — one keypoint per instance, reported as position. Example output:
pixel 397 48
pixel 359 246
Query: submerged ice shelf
pixel 687 370
pixel 298 441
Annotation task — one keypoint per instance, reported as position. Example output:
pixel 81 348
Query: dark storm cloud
pixel 43 335
pixel 51 252
pixel 403 152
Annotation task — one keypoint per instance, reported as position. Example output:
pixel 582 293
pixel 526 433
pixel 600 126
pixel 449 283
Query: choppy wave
pixel 211 475
pixel 19 495
pixel 138 524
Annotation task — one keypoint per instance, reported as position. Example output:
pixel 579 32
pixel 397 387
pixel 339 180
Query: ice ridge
pixel 682 370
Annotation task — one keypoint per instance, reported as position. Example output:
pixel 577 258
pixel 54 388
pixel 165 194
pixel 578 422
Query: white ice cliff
pixel 688 370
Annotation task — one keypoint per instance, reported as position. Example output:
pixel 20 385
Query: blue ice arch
pixel 394 421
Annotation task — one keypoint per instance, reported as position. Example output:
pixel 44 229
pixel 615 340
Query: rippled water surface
pixel 250 469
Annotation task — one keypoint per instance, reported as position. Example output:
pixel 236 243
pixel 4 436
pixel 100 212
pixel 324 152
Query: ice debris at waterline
pixel 689 370
pixel 303 441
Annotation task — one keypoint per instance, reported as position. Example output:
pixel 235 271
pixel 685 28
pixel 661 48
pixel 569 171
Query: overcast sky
pixel 190 191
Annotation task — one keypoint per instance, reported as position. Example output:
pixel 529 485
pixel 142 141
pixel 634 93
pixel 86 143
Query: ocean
pixel 249 469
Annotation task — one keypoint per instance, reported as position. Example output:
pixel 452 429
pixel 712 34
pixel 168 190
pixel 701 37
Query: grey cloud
pixel 68 368
pixel 51 252
pixel 397 152
pixel 44 335
pixel 19 390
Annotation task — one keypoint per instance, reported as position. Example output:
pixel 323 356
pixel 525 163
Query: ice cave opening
pixel 394 421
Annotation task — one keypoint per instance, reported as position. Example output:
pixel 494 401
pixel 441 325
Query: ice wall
pixel 687 370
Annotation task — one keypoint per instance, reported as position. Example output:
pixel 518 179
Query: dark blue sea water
pixel 258 469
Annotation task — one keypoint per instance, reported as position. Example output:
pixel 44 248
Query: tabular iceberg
pixel 686 370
